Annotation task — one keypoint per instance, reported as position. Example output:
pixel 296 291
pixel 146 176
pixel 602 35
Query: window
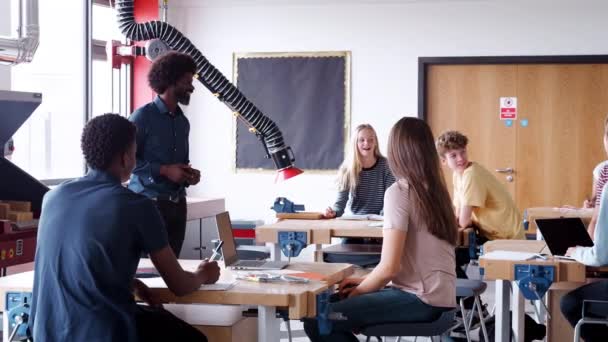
pixel 48 145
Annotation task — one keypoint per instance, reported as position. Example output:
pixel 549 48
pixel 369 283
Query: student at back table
pixel 362 178
pixel 479 198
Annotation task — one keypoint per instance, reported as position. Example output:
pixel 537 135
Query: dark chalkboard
pixel 307 96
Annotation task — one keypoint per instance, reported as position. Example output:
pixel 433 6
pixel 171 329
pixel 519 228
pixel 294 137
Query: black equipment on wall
pixel 212 79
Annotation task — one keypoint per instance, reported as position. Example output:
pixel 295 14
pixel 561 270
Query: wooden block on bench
pixel 4 209
pixel 19 205
pixel 18 216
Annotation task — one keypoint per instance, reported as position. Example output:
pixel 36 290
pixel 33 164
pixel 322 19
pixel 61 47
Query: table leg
pixel 502 297
pixel 317 254
pixel 268 324
pixel 275 251
pixel 519 313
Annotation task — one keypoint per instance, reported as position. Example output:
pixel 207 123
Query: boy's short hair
pixel 104 137
pixel 451 140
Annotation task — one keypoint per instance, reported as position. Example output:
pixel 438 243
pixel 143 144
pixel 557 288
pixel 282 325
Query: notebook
pixel 563 233
pixel 231 259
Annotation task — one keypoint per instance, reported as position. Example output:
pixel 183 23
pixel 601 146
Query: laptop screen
pixel 224 230
pixel 563 233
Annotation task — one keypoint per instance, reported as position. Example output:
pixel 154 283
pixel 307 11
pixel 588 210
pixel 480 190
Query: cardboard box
pixel 19 216
pixel 19 205
pixel 245 330
pixel 4 209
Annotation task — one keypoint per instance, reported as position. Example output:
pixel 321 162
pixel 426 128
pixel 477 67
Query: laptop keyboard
pixel 250 263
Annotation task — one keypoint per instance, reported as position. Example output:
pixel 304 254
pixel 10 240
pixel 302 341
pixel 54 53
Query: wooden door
pixel 465 98
pixel 554 154
pixel 565 105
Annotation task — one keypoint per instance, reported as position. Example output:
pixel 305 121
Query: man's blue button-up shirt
pixel 162 139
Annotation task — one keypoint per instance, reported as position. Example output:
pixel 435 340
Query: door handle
pixel 505 170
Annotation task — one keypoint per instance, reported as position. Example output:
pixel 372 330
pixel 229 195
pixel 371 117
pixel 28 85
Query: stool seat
pixel 434 328
pixel 470 288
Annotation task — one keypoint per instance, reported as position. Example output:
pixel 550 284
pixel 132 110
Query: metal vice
pixel 292 243
pixel 17 322
pixel 534 280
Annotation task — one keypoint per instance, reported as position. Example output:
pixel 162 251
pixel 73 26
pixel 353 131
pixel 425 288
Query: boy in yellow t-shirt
pixel 479 198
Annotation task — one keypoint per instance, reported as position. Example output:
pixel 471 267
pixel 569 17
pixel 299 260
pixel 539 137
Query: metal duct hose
pixel 21 49
pixel 210 77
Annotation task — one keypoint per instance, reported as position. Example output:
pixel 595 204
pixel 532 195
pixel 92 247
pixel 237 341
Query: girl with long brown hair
pixel 419 237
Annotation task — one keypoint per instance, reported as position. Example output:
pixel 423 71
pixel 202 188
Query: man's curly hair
pixel 104 137
pixel 168 69
pixel 451 140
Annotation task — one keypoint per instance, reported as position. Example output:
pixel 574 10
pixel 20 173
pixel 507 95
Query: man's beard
pixel 184 99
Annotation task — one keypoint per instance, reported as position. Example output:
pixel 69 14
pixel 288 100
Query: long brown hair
pixel 348 174
pixel 412 156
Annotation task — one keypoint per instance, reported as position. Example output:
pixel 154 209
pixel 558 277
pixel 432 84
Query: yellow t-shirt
pixel 493 208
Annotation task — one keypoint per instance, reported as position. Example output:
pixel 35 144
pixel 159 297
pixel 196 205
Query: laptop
pixel 231 259
pixel 563 233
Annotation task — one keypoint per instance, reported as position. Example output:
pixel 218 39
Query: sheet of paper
pixel 376 224
pixel 371 217
pixel 510 255
pixel 219 286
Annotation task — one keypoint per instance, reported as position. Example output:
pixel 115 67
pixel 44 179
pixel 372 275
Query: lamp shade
pixel 286 173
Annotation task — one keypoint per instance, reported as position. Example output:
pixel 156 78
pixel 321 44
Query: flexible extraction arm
pixel 212 79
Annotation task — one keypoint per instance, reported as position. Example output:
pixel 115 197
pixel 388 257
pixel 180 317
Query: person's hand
pixel 143 292
pixel 329 213
pixel 209 271
pixel 177 173
pixel 347 286
pixel 570 251
pixel 194 176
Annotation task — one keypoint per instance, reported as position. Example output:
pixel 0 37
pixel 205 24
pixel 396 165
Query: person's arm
pixel 593 223
pixel 598 254
pixel 148 171
pixel 340 203
pixel 390 263
pixel 590 202
pixel 182 282
pixel 465 216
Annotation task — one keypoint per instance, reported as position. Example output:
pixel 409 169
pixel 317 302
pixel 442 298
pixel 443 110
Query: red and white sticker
pixel 508 108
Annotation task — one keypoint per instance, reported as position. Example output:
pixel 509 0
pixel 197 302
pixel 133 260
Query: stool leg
pixel 577 330
pixel 481 318
pixel 464 320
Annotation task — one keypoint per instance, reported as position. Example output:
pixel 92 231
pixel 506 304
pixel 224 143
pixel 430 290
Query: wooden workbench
pixel 298 299
pixel 569 275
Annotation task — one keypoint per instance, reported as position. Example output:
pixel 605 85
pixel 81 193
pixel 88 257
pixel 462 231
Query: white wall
pixel 5 31
pixel 386 38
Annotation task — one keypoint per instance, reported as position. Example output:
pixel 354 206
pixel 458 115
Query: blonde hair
pixel 348 174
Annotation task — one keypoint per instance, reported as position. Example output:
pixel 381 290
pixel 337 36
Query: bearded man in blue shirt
pixel 163 168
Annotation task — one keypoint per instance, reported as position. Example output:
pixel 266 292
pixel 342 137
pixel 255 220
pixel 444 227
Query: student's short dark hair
pixel 104 137
pixel 168 69
pixel 450 140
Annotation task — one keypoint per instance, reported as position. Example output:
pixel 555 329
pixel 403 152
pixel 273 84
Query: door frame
pixel 425 62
